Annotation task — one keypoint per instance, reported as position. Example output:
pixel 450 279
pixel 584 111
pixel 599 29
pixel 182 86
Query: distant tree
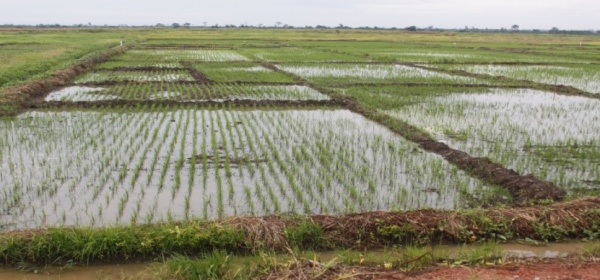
pixel 204 23
pixel 515 28
pixel 411 28
pixel 175 25
pixel 554 30
pixel 278 24
pixel 160 25
pixel 187 25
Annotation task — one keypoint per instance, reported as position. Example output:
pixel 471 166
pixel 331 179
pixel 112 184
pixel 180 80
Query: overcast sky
pixel 528 14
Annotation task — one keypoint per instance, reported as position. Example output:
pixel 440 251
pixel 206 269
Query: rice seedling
pixel 302 162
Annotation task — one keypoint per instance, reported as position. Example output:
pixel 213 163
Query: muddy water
pixel 116 271
pixel 509 250
pixel 149 271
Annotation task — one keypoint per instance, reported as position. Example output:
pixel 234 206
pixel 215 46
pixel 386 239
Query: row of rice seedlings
pixel 584 77
pixel 241 72
pixel 444 52
pixel 113 64
pixel 179 55
pixel 73 169
pixel 79 93
pixel 551 136
pixel 352 73
pixel 166 75
pixel 252 162
pixel 186 92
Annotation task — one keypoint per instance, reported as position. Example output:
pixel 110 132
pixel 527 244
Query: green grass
pixel 29 55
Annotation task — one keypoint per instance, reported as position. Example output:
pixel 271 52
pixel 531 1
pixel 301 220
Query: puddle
pixel 105 168
pixel 117 271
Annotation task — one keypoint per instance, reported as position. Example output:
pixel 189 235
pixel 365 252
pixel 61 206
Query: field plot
pixel 448 53
pixel 126 166
pixel 116 64
pixel 551 136
pixel 166 75
pixel 584 77
pixel 241 72
pixel 178 55
pixel 368 73
pixel 186 92
pixel 293 54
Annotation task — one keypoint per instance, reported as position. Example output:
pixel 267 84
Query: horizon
pixel 440 14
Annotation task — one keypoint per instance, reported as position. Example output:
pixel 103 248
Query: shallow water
pixel 186 93
pixel 78 93
pixel 147 270
pixel 106 168
pixel 114 271
pixel 552 136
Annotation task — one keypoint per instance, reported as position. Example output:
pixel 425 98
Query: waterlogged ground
pixel 136 76
pixel 186 92
pixel 584 77
pixel 178 55
pixel 106 167
pixel 351 73
pixel 551 136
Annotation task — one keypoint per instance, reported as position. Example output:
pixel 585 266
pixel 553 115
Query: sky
pixel 528 14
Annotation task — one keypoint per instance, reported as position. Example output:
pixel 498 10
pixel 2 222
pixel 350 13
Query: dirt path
pixel 555 269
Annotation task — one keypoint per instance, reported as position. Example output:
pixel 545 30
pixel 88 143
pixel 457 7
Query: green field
pixel 181 127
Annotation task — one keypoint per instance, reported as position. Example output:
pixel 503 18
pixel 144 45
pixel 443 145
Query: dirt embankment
pixel 20 95
pixel 372 230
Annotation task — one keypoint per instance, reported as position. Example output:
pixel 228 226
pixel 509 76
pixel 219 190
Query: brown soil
pixel 546 269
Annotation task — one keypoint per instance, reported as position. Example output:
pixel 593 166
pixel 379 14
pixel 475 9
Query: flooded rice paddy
pixel 586 77
pixel 179 55
pixel 551 136
pixel 137 76
pixel 367 72
pixel 186 92
pixel 105 167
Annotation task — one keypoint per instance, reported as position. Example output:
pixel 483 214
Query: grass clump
pixel 85 245
pixel 214 265
pixel 305 235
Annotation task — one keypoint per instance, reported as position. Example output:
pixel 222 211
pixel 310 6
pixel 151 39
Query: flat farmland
pixel 424 136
